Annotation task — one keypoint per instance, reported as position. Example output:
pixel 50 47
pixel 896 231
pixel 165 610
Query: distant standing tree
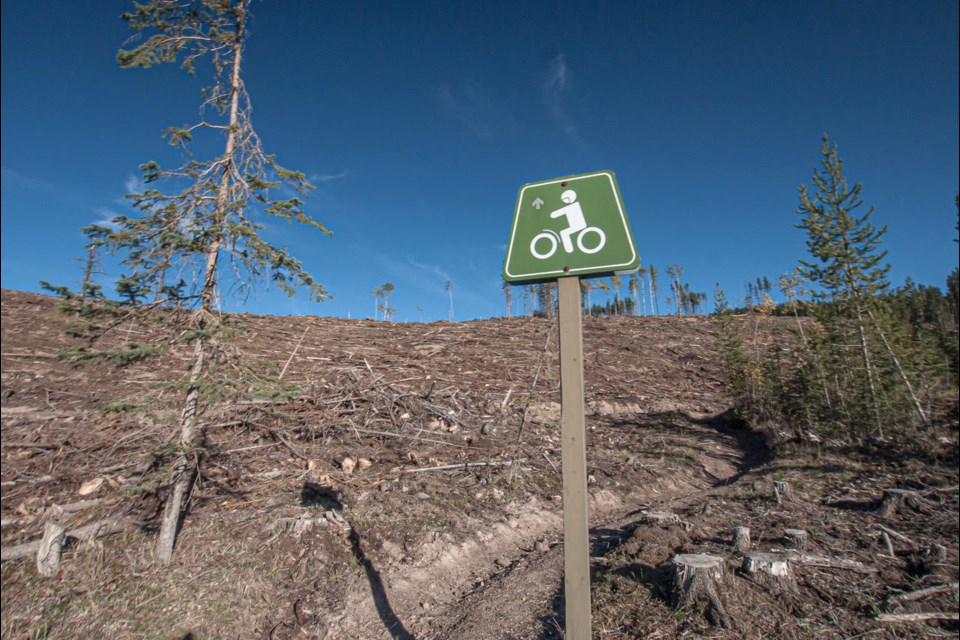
pixel 212 213
pixel 695 299
pixel 848 260
pixel 605 287
pixel 654 292
pixel 387 288
pixel 377 294
pixel 636 290
pixel 616 282
pixel 545 298
pixel 449 287
pixel 507 294
pixel 97 237
pixel 585 287
pixel 675 272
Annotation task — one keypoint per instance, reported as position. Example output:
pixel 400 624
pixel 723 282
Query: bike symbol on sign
pixel 576 224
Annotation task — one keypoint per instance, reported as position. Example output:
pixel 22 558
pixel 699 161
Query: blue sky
pixel 418 122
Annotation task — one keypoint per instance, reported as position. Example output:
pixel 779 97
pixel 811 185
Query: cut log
pixel 796 538
pixel 894 600
pixel 50 548
pixel 659 517
pixel 741 540
pixel 828 563
pixel 769 569
pixel 917 617
pixel 782 491
pixel 89 532
pixel 699 578
pixel 896 499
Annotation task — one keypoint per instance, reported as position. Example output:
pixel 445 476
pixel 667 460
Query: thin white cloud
pixel 431 271
pixel 472 107
pixel 106 217
pixel 556 83
pixel 133 184
pixel 327 177
pixel 11 177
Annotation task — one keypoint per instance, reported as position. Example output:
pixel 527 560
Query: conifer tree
pixel 97 236
pixel 603 286
pixel 847 261
pixel 213 213
pixel 615 283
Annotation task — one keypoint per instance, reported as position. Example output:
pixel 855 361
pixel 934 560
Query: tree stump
pixel 768 569
pixel 895 499
pixel 741 540
pixel 696 577
pixel 938 552
pixel 796 538
pixel 783 491
pixel 51 546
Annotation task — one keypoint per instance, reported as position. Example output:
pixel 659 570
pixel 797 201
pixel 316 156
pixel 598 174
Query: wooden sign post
pixel 576 535
pixel 566 228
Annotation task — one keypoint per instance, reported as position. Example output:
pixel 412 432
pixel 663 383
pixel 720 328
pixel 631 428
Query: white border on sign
pixel 623 219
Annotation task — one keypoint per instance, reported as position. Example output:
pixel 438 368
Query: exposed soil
pixel 329 506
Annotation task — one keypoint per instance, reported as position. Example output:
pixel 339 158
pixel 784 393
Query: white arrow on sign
pixel 537 204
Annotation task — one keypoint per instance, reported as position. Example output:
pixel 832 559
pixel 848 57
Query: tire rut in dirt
pixel 526 598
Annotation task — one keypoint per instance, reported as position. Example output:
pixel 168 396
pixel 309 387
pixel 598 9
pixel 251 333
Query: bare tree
pixel 212 213
pixel 387 288
pixel 654 292
pixel 449 287
pixel 675 272
pixel 377 294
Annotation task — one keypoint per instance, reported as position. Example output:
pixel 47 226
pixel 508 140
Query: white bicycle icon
pixel 553 239
pixel 576 224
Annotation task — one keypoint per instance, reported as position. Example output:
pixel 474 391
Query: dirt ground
pixel 366 479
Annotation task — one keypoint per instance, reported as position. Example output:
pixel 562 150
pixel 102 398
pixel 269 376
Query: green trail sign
pixel 571 226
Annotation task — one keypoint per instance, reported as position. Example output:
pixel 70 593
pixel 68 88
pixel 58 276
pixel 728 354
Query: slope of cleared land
pixel 365 479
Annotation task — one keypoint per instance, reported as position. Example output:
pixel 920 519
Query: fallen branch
pixel 89 532
pixel 464 465
pixel 74 507
pixel 830 563
pixel 293 353
pixel 893 533
pixel 921 593
pixel 885 539
pixel 31 445
pixel 404 436
pixel 551 462
pixel 916 617
pixel 533 385
pixel 49 356
pixel 279 436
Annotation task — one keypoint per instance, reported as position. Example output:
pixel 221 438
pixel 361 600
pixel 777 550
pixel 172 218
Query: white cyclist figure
pixel 573 212
pixel 577 227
